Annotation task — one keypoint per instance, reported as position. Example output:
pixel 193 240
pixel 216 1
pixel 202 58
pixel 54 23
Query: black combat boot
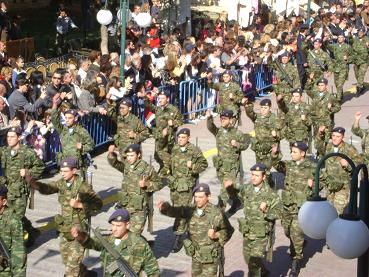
pixel 177 244
pixel 295 270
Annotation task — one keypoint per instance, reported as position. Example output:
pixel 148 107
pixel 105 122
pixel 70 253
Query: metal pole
pixel 123 14
pixel 308 12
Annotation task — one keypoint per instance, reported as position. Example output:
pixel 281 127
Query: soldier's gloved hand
pixel 212 234
pixel 132 134
pixel 274 133
pixel 170 122
pixel 263 207
pixel 165 132
pixel 76 204
pixel 189 164
pixel 344 163
pixel 227 183
pixel 78 234
pixel 234 143
pixel 79 145
pixel 141 183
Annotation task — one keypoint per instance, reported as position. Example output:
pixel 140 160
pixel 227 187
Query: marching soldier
pixel 187 162
pixel 337 175
pixel 297 188
pixel 130 129
pixel 168 118
pixel 296 117
pixel 319 61
pixel 261 208
pixel 230 143
pixel 287 76
pixel 75 141
pixel 323 108
pixel 363 134
pixel 17 160
pixel 11 234
pixel 360 55
pixel 133 248
pixel 139 179
pixel 78 202
pixel 208 231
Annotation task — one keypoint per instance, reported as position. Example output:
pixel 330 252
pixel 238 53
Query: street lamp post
pixel 123 14
pixel 348 235
pixel 308 11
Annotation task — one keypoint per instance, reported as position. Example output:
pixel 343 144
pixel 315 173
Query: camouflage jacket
pixel 162 116
pixel 133 197
pixel 296 129
pixel 125 124
pixel 296 189
pixel 364 135
pixel 321 57
pixel 92 203
pixel 184 177
pixel 360 50
pixel 226 102
pixel 334 176
pixel 24 157
pixel 257 224
pixel 340 52
pixel 11 230
pixel 69 137
pixel 223 137
pixel 135 250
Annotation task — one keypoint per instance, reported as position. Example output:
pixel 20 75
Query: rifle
pixel 317 61
pixel 271 240
pixel 284 73
pixel 4 251
pixel 150 214
pixel 221 263
pixel 242 174
pixel 120 263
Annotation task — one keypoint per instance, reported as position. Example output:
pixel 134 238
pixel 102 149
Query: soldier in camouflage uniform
pixel 139 179
pixel 78 202
pixel 268 129
pixel 342 54
pixel 168 118
pixel 208 231
pixel 187 162
pixel 11 232
pixel 261 209
pixel 75 140
pixel 336 177
pixel 297 120
pixel 230 143
pixel 17 160
pixel 230 94
pixel 323 108
pixel 130 129
pixel 364 135
pixel 360 55
pixel 318 61
pixel 133 248
pixel 287 76
pixel 297 188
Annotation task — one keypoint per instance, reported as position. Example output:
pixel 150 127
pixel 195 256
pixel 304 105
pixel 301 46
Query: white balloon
pixel 314 218
pixel 143 20
pixel 348 239
pixel 104 17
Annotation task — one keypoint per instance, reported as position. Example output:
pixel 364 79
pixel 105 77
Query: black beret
pixel 164 92
pixel 69 162
pixel 258 167
pixel 361 30
pixel 298 90
pixel 300 145
pixel 133 148
pixel 341 33
pixel 3 191
pixel 202 188
pixel 284 54
pixel 184 131
pixel 18 130
pixel 228 72
pixel 227 113
pixel 318 40
pixel 266 102
pixel 71 111
pixel 126 101
pixel 322 80
pixel 120 215
pixel 340 130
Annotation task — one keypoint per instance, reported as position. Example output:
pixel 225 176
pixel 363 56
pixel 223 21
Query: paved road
pixel 44 259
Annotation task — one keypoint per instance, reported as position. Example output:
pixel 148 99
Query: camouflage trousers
pixel 360 71
pixel 293 231
pixel 72 255
pixel 162 157
pixel 230 192
pixel 204 270
pixel 339 199
pixel 137 221
pixel 180 199
pixel 19 204
pixel 339 80
pixel 254 254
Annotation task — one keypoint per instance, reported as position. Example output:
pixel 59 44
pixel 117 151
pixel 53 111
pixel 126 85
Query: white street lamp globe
pixel 314 218
pixel 104 17
pixel 143 20
pixel 348 239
